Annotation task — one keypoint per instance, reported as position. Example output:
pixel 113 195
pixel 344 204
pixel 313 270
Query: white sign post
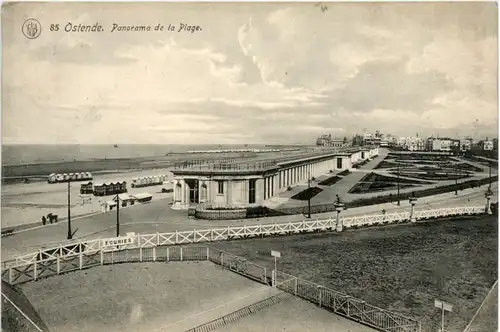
pixel 275 254
pixel 444 307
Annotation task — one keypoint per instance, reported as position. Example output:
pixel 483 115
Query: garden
pixel 373 182
pixel 307 194
pixel 400 268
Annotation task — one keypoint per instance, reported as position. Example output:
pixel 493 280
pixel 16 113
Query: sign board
pixel 275 253
pixel 118 241
pixel 443 305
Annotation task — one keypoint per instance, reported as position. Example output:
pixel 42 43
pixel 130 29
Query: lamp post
pixel 456 179
pixel 117 216
pixel 309 200
pixel 489 176
pixel 399 203
pixel 70 235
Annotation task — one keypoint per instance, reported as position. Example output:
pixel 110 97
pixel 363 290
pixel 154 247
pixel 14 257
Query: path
pixel 486 318
pixel 159 217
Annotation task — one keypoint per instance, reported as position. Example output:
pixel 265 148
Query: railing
pixel 243 232
pixel 348 306
pixel 334 301
pixel 232 166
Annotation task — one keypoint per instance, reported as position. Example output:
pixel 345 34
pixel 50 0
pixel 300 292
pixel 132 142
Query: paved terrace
pixel 157 216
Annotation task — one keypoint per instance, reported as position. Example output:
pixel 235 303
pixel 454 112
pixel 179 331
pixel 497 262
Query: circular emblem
pixel 31 28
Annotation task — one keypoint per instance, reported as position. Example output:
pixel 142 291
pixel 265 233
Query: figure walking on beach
pixel 44 220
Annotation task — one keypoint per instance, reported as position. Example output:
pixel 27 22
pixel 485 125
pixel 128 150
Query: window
pixel 221 187
pixel 251 191
pixel 339 163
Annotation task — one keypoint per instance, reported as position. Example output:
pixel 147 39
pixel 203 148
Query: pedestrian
pixel 44 220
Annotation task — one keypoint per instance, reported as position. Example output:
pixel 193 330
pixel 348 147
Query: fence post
pixel 102 256
pixel 154 254
pixel 81 259
pixel 320 299
pixel 208 257
pixel 265 276
pixel 157 238
pixel 296 286
pixel 34 270
pixel 58 265
pixel 10 275
pixel 140 254
pixel 222 259
pixel 168 254
pixel 176 237
pixel 181 254
pixel 273 278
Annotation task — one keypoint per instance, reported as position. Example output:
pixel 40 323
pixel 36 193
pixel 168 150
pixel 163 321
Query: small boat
pixel 115 146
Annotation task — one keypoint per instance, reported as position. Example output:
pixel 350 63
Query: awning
pixel 142 196
pixel 123 197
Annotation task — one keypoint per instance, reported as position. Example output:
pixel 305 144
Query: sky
pixel 254 73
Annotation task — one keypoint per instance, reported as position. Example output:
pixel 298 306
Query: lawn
pixel 373 182
pixel 400 268
pixel 307 194
pixel 330 181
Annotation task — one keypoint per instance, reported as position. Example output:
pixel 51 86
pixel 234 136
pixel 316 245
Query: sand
pixel 138 296
pixel 27 203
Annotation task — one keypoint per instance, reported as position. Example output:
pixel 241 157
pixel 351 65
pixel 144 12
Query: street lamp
pixel 117 216
pixel 70 235
pixel 398 183
pixel 309 200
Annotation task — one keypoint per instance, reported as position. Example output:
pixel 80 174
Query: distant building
pixel 487 145
pixel 327 140
pixel 466 145
pixel 443 144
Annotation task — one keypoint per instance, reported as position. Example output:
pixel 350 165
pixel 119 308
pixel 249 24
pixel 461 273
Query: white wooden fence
pixel 242 232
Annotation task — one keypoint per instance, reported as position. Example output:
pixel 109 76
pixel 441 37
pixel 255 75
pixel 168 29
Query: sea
pixel 13 155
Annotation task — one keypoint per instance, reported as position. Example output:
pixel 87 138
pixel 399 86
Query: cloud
pixel 256 73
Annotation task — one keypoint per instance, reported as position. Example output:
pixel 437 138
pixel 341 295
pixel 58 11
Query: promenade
pixel 157 216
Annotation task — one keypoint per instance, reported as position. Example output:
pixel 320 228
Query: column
pixel 339 207
pixel 265 188
pixel 183 192
pixel 413 202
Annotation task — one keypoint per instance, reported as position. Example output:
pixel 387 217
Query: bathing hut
pixel 59 177
pixel 78 176
pixel 52 178
pixel 100 189
pixel 86 188
pixel 65 177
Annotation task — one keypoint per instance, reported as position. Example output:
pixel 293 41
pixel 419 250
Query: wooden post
pixel 157 238
pixel 140 254
pixel 154 254
pixel 181 254
pixel 58 264
pixel 208 257
pixel 295 286
pixel 10 275
pixel 222 259
pixel 81 259
pixel 102 256
pixel 34 270
pixel 168 254
pixel 320 299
